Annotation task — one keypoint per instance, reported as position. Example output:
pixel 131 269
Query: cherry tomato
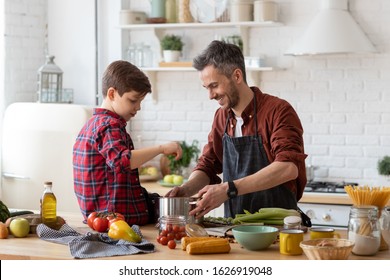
pixel 100 224
pixel 170 236
pixel 91 218
pixel 171 244
pixel 163 240
pixel 176 228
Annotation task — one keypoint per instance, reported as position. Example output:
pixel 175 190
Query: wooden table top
pixel 32 247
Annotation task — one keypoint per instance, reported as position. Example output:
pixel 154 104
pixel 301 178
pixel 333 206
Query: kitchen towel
pixel 93 245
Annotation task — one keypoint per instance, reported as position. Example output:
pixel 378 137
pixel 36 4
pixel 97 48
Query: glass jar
pixel 147 56
pixel 363 229
pixel 172 227
pixel 292 222
pixel 184 13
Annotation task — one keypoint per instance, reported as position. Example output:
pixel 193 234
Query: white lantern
pixel 49 82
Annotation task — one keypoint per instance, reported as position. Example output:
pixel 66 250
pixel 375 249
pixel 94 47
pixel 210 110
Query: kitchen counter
pixel 32 247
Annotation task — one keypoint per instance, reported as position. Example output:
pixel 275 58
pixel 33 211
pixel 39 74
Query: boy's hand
pixel 173 148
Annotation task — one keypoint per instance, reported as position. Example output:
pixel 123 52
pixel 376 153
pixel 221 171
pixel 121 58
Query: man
pixel 255 142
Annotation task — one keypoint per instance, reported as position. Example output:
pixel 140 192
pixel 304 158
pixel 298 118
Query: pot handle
pixel 306 221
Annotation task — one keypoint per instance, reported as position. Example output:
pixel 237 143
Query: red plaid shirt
pixel 103 180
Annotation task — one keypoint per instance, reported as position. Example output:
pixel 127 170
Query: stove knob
pixel 310 213
pixel 326 217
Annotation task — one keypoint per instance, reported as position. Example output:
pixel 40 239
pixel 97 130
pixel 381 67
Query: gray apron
pixel 243 156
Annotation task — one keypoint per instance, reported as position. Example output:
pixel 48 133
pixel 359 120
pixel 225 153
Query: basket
pixel 327 248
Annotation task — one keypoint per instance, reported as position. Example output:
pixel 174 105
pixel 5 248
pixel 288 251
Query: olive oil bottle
pixel 48 205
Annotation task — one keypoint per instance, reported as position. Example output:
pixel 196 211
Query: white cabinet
pixel 158 30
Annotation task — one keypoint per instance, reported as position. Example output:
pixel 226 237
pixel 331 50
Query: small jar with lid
pixel 292 222
pixel 363 229
pixel 171 227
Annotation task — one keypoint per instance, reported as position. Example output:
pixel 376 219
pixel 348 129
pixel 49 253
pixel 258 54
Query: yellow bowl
pixel 327 248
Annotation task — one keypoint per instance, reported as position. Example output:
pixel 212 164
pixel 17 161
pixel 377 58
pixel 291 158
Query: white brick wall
pixel 343 100
pixel 25 31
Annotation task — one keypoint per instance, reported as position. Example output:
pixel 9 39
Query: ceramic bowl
pixel 327 248
pixel 255 237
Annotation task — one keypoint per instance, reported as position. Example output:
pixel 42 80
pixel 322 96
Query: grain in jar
pixel 184 13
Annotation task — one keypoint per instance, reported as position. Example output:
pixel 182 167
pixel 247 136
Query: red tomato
pixel 171 236
pixel 100 224
pixel 113 217
pixel 91 218
pixel 113 221
pixel 171 244
pixel 163 240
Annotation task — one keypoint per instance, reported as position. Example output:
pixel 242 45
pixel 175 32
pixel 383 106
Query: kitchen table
pixel 32 247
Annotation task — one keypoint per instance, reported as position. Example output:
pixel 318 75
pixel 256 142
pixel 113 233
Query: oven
pixel 329 212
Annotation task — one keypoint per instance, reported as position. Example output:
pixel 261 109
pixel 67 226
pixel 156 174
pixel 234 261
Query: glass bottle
pixel 147 54
pixel 363 229
pixel 48 205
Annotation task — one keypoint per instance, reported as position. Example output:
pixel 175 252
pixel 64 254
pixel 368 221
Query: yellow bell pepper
pixel 121 230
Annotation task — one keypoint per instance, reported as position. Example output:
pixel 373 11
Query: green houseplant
pixel 172 45
pixel 171 166
pixel 384 166
pixel 172 42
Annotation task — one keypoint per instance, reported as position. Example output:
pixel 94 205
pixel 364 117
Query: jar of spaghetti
pixel 363 229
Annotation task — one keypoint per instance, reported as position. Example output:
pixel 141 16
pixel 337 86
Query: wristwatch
pixel 232 191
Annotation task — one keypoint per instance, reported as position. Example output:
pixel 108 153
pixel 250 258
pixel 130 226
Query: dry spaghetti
pixel 364 195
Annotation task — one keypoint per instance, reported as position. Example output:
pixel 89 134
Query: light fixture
pixel 332 31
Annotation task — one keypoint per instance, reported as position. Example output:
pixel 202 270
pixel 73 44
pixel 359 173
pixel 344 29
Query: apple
pixel 168 179
pixel 178 180
pixel 152 171
pixel 19 227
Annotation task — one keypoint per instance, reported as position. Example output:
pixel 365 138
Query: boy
pixel 105 164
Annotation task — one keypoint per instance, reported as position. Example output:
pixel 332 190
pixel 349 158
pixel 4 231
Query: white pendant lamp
pixel 333 31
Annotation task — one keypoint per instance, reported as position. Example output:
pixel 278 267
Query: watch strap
pixel 232 191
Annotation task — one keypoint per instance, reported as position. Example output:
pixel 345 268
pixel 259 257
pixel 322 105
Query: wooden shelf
pixel 159 28
pixel 201 25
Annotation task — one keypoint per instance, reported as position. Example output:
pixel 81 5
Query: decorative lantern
pixel 49 82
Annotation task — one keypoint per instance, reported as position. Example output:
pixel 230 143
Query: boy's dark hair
pixel 223 56
pixel 125 77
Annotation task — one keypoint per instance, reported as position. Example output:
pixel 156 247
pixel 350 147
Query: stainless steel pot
pixel 176 206
pixel 310 172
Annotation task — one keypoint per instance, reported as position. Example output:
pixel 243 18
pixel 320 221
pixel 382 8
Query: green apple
pixel 168 179
pixel 178 180
pixel 19 227
pixel 152 171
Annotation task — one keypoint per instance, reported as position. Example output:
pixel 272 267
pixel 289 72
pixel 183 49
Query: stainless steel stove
pixel 327 214
pixel 327 187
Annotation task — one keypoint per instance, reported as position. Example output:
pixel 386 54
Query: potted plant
pixel 172 45
pixel 384 166
pixel 171 166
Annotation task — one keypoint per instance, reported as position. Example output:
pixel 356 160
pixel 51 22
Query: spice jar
pixel 363 229
pixel 171 227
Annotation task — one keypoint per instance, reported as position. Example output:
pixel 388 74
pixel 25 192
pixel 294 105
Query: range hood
pixel 332 31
